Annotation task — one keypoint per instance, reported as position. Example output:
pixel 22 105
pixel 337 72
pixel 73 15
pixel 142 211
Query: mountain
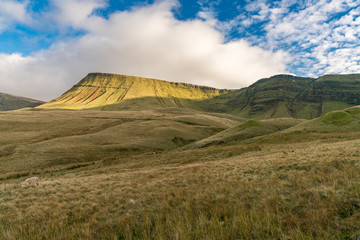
pixel 10 102
pixel 118 92
pixel 275 97
pixel 298 97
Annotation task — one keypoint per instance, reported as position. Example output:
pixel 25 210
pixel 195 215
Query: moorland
pixel 126 162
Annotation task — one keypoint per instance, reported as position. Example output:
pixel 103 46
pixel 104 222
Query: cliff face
pixel 9 102
pixel 277 96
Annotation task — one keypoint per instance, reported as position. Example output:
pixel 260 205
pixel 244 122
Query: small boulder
pixel 33 181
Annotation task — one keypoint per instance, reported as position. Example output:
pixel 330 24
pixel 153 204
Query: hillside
pixel 61 138
pixel 280 96
pixel 120 92
pixel 175 173
pixel 289 96
pixel 273 97
pixel 9 102
pixel 247 130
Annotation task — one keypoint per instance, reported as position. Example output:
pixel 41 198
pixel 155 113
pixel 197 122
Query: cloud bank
pixel 11 12
pixel 146 41
pixel 322 37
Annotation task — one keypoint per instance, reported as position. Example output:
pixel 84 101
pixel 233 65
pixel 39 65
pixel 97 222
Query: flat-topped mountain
pixel 9 102
pixel 277 96
pixel 116 92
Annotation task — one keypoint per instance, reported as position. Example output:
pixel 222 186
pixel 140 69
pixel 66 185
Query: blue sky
pixel 46 46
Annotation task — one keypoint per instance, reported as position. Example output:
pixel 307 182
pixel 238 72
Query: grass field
pixel 145 175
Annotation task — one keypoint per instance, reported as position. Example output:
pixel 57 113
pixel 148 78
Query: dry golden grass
pixel 251 190
pixel 34 141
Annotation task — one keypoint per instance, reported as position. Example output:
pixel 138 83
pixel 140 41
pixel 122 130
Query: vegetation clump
pixel 338 118
pixel 249 123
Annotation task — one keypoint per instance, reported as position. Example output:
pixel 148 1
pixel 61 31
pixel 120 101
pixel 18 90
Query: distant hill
pixel 9 102
pixel 275 97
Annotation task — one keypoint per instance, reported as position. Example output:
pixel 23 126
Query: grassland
pixel 33 140
pixel 141 175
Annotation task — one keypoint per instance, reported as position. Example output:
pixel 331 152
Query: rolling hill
pixel 158 174
pixel 10 102
pixel 247 130
pixel 280 96
pixel 41 139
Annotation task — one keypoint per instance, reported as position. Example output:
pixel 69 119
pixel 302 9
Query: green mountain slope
pixel 328 93
pixel 272 97
pixel 10 102
pixel 280 96
pixel 247 130
pixel 334 121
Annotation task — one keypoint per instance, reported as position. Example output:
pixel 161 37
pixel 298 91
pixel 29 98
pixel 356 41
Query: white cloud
pixel 146 41
pixel 13 11
pixel 74 12
pixel 311 32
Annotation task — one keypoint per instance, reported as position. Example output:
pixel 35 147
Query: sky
pixel 47 46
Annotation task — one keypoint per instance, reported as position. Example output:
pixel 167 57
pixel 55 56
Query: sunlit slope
pixel 115 92
pixel 10 102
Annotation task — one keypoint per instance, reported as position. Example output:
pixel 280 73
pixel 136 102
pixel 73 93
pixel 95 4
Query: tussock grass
pixel 297 191
pixel 292 185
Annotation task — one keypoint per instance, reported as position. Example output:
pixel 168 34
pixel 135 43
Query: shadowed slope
pixel 272 97
pixel 10 102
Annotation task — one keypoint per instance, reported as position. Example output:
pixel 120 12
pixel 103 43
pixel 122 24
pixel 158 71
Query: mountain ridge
pixel 275 97
pixel 99 90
